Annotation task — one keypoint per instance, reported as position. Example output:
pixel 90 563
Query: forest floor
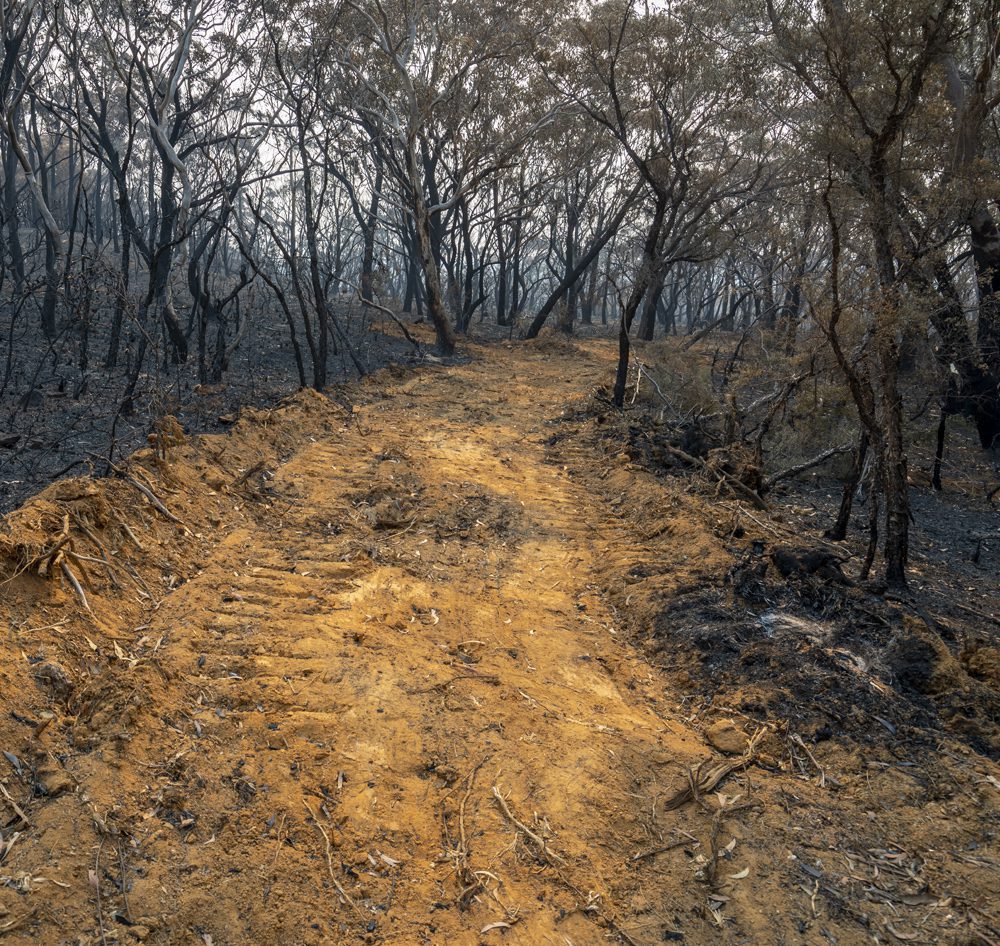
pixel 439 660
pixel 57 419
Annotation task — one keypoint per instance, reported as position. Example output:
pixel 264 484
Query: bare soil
pixel 440 660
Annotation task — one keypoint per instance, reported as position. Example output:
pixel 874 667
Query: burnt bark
pixel 643 279
pixel 428 260
pixel 600 241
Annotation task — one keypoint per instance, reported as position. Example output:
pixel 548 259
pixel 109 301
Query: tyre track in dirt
pixel 402 617
pixel 422 659
pixel 395 624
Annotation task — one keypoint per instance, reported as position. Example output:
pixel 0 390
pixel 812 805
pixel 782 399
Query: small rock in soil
pixel 727 737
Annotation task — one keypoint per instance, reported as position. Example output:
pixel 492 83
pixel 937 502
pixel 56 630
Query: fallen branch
pixel 151 496
pixel 642 370
pixel 699 335
pixel 539 842
pixel 79 558
pixel 392 315
pixel 701 780
pixel 74 583
pixel 127 529
pixel 975 611
pixel 808 464
pixel 734 484
pixel 96 542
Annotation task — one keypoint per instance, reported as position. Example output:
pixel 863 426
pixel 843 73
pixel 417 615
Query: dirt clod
pixel 727 737
pixel 52 781
pixel 54 678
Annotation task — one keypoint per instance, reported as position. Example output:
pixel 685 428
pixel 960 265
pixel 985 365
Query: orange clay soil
pixel 370 687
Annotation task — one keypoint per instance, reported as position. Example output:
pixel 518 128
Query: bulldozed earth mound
pixel 438 660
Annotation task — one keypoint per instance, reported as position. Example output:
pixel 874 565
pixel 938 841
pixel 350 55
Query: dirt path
pixel 460 648
pixel 386 700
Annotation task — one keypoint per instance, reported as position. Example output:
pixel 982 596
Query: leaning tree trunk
pixel 428 263
pixel 642 280
pixel 581 267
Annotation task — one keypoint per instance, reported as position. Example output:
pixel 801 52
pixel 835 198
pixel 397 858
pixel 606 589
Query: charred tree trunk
pixel 368 253
pixel 567 314
pixel 600 241
pixel 642 281
pixel 121 299
pixel 428 261
pixel 590 294
pixel 985 392
pixel 647 322
pixel 11 218
pixel 892 459
pixel 838 531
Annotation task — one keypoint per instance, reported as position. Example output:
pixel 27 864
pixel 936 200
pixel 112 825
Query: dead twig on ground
pixel 744 492
pixel 305 686
pixel 701 780
pixel 17 922
pixel 97 888
pixel 329 861
pixel 127 529
pixel 104 558
pixel 591 904
pixel 140 582
pixel 708 872
pixel 253 471
pixel 154 500
pixel 646 855
pixel 542 848
pixel 470 882
pixel 74 584
pixel 823 777
pixel 482 677
pixel 14 805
